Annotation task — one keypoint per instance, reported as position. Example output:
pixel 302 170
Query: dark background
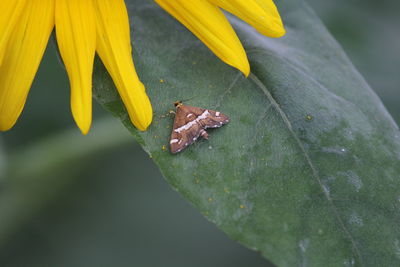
pixel 116 209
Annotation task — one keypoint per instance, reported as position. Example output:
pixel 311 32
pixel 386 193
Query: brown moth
pixel 190 123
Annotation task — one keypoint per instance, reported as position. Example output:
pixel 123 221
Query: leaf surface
pixel 306 172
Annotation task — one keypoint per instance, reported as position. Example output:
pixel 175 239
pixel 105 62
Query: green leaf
pixel 307 170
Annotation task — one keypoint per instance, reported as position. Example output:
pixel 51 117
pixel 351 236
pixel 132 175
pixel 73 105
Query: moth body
pixel 190 123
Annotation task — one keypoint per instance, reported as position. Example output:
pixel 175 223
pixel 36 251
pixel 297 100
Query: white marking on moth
pixel 174 141
pixel 193 122
pixel 217 113
pixel 194 138
pixel 188 115
pixel 220 122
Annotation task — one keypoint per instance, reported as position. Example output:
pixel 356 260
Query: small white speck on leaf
pixel 303 244
pixel 396 244
pixel 350 262
pixel 285 227
pixel 334 150
pixel 356 219
pixel 353 179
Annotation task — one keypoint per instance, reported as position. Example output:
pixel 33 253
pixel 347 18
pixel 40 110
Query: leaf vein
pixel 310 163
pixel 227 91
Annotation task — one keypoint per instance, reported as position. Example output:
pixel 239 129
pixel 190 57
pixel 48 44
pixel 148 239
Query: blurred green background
pixel 86 201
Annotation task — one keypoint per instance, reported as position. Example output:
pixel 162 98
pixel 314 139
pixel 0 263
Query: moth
pixel 190 123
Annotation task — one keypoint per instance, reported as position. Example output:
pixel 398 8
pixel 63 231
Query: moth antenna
pixel 188 99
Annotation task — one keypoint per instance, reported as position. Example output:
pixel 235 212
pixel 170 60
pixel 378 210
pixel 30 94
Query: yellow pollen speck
pixel 226 190
pixel 309 117
pixel 242 206
pixel 197 181
pixel 210 199
pixel 161 80
pixel 164 148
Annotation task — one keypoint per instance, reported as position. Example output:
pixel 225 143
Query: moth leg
pixel 204 134
pixel 170 112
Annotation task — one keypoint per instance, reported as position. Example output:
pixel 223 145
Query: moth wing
pixel 186 114
pixel 190 122
pixel 214 119
pixel 185 130
pixel 181 139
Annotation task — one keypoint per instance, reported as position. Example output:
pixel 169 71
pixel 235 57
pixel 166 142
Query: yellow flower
pixel 83 27
pixel 205 19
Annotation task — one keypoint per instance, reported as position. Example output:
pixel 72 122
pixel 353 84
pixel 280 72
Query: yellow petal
pixel 114 49
pixel 10 13
pixel 261 14
pixel 210 25
pixel 76 37
pixel 24 51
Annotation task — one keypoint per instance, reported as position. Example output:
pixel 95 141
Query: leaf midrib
pixel 310 163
